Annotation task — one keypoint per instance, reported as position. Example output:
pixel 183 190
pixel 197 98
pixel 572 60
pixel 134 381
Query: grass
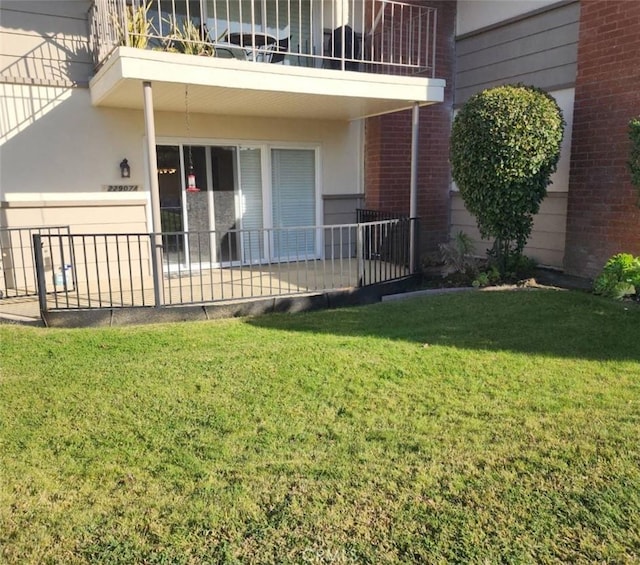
pixel 480 427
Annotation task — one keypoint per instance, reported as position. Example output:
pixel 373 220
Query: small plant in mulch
pixel 517 268
pixel 459 266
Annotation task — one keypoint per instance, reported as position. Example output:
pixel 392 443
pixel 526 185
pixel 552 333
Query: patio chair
pixel 350 50
pixel 275 52
pixel 229 51
pixel 223 49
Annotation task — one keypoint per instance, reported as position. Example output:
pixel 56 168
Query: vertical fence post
pixel 360 253
pixel 413 196
pixel 40 276
pixel 415 223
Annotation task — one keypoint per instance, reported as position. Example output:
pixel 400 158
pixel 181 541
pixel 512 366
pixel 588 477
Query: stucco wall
pixel 55 145
pixel 57 148
pixel 44 42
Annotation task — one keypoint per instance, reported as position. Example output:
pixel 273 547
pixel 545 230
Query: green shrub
pixel 620 277
pixel 519 267
pixel 486 278
pixel 505 145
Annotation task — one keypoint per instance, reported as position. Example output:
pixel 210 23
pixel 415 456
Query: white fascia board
pixel 154 66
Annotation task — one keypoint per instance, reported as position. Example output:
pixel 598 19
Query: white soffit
pixel 241 88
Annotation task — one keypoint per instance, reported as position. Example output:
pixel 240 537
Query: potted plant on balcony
pixel 187 38
pixel 136 28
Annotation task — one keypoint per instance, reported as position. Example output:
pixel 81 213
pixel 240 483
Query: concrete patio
pixel 229 287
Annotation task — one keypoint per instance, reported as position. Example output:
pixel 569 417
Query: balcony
pixel 324 59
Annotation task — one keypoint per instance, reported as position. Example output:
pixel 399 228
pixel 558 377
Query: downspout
pixel 152 170
pixel 413 189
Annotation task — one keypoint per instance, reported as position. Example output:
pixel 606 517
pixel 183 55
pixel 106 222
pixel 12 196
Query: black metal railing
pixel 388 243
pixel 122 270
pixel 17 259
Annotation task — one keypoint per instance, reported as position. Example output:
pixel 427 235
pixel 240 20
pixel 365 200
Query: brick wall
pixel 388 149
pixel 603 217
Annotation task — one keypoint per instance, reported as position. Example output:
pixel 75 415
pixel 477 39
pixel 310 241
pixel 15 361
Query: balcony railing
pixel 376 36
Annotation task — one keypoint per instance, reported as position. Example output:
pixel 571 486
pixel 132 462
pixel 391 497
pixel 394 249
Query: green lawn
pixel 479 427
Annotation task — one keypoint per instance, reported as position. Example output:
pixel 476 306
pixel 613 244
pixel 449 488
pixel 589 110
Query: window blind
pixel 293 202
pixel 250 194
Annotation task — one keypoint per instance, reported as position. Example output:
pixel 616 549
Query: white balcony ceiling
pixel 242 88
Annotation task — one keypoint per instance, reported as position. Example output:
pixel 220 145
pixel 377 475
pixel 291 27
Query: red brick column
pixel 603 217
pixel 388 149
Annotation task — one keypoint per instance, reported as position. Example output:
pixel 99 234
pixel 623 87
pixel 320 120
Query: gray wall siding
pixel 338 210
pixel 540 49
pixel 341 209
pixel 45 43
pixel 546 244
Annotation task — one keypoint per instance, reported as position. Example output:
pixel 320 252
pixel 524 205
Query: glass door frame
pixel 319 235
pixel 182 144
pixel 267 190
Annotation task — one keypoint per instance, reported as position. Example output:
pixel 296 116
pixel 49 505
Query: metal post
pixel 152 170
pixel 343 47
pixel 360 254
pixel 413 190
pixel 40 275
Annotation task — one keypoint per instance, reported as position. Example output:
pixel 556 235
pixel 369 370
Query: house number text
pixel 120 188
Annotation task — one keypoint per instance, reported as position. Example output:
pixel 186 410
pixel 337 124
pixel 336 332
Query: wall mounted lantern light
pixel 125 169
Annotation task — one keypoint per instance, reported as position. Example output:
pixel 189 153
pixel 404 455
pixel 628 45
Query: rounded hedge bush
pixel 505 145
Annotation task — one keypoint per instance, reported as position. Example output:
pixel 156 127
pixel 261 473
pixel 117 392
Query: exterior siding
pixel 78 148
pixel 546 245
pixel 86 216
pixel 540 50
pixel 473 15
pixel 341 209
pixel 45 43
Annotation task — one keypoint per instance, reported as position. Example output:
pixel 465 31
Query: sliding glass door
pixel 225 220
pixel 180 212
pixel 251 206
